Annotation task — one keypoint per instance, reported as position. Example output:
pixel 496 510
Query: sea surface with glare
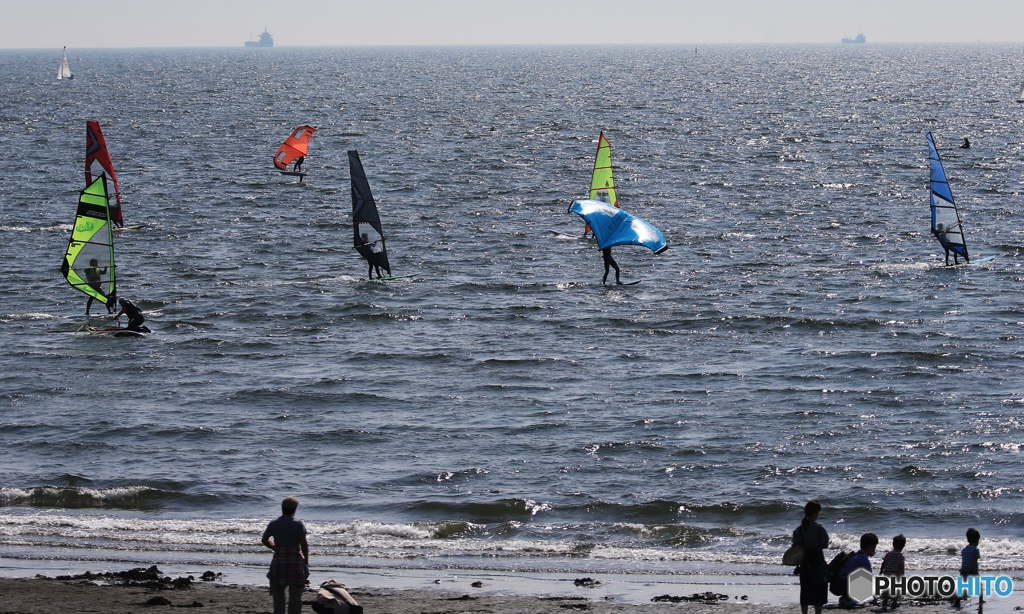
pixel 501 411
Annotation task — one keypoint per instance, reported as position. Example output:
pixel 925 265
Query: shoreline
pixel 461 593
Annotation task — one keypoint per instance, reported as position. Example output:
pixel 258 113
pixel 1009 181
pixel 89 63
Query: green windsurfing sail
pixel 89 262
pixel 602 185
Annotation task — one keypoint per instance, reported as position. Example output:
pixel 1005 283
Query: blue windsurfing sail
pixel 613 226
pixel 946 225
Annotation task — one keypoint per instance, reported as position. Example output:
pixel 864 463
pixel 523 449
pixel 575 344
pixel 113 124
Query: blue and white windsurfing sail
pixel 946 224
pixel 613 226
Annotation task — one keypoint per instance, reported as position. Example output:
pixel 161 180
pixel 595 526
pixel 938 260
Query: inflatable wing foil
pixel 613 226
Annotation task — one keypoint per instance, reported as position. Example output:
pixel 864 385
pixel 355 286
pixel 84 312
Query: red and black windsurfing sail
pixel 294 147
pixel 369 236
pixel 97 162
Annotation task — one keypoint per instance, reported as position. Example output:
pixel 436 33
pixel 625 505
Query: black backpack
pixel 837 585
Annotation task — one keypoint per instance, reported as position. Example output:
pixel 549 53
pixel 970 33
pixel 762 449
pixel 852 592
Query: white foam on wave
pixel 121 531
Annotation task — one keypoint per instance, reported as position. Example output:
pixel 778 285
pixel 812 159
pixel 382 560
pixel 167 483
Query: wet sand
pixel 98 594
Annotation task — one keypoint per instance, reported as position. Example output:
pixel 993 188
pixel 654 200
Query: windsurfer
pixel 135 317
pixel 966 145
pixel 298 163
pixel 940 231
pixel 366 250
pixel 93 276
pixel 609 262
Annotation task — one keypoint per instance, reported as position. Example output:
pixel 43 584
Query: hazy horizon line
pixel 603 45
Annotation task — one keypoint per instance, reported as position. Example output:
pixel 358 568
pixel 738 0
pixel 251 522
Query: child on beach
pixel 969 557
pixel 286 536
pixel 893 565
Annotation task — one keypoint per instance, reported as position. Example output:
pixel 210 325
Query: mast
pixel 946 224
pixel 88 263
pixel 368 234
pixel 97 162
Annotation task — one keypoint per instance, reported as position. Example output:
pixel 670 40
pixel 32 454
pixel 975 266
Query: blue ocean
pixel 501 411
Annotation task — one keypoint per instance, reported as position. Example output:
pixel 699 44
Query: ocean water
pixel 502 410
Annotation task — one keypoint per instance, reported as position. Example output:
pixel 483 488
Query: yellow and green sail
pixel 89 262
pixel 602 185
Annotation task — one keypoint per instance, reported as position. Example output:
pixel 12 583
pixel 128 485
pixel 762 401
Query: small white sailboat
pixel 64 71
pixel 1020 94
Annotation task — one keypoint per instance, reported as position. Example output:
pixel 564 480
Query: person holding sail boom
pixel 940 230
pixel 93 277
pixel 368 246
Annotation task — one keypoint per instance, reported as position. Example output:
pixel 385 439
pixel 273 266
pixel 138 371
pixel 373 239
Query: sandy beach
pixel 119 594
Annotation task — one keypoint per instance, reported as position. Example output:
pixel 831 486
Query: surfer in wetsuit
pixel 298 163
pixel 966 145
pixel 609 262
pixel 135 317
pixel 93 276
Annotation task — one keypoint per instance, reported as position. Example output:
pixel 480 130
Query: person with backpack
pixel 860 560
pixel 813 538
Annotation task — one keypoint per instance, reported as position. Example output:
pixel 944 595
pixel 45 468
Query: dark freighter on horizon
pixel 266 40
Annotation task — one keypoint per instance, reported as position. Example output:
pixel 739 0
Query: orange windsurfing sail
pixel 294 147
pixel 97 162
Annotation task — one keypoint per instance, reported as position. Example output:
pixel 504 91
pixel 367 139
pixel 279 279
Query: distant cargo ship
pixel 860 39
pixel 266 40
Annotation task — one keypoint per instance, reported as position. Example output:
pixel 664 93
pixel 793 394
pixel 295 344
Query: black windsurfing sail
pixel 369 236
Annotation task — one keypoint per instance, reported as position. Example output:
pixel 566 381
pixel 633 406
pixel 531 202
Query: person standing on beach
pixel 286 536
pixel 813 538
pixel 969 558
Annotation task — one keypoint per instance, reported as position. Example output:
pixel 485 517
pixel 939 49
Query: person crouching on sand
pixel 286 536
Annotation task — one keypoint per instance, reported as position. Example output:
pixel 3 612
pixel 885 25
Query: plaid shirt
pixel 288 567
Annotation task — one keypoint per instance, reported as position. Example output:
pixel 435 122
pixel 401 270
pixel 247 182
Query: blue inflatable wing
pixel 613 226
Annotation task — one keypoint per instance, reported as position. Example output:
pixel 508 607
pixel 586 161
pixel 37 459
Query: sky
pixel 46 24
